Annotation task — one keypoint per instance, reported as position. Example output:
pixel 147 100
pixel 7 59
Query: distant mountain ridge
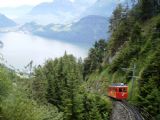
pixel 86 31
pixel 53 7
pixel 57 12
pixel 102 8
pixel 15 12
pixel 6 22
pixel 65 11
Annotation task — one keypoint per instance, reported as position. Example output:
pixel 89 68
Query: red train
pixel 118 91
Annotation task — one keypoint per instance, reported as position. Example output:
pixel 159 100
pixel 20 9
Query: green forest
pixel 68 88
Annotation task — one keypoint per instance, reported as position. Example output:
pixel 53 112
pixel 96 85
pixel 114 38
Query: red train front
pixel 118 91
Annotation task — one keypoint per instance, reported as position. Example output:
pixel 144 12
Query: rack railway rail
pixel 124 111
pixel 136 114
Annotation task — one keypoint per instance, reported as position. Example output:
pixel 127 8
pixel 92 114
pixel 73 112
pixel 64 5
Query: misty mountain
pixel 31 27
pixel 58 11
pixel 61 6
pixel 53 7
pixel 6 22
pixel 101 7
pixel 15 12
pixel 85 32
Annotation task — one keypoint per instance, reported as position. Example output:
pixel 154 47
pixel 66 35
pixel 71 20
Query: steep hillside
pixel 132 53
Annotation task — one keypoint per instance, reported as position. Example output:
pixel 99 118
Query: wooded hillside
pixel 134 44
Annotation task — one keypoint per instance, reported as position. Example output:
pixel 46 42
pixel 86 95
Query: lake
pixel 20 48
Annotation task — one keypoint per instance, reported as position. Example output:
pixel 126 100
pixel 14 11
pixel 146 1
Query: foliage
pixel 18 108
pixel 39 86
pixel 55 92
pixel 116 18
pixel 14 101
pixel 5 83
pixel 135 39
pixel 63 88
pixel 121 24
pixel 95 107
pixel 95 57
pixel 130 51
pixel 149 82
pixel 146 9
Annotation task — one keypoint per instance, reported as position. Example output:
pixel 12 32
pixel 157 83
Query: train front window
pixel 122 90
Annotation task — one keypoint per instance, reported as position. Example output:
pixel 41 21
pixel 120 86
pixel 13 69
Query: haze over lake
pixel 71 25
pixel 20 48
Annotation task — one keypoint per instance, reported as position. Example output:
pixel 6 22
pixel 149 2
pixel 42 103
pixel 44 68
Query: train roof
pixel 118 85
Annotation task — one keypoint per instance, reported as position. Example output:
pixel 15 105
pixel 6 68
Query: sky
pixel 17 3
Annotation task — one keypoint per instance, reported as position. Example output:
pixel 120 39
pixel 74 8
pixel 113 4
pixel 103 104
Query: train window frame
pixel 115 89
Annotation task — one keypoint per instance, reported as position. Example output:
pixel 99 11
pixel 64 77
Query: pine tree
pixel 116 18
pixel 39 86
pixel 95 58
pixel 147 9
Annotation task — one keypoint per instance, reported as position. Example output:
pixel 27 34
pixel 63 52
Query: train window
pixel 124 89
pixel 120 89
pixel 113 89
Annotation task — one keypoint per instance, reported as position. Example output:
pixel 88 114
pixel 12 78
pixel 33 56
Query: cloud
pixel 16 3
pixel 72 0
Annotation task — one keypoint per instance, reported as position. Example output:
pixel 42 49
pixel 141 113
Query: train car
pixel 118 91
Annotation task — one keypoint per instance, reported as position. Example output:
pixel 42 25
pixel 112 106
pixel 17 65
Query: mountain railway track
pixel 118 92
pixel 124 111
pixel 132 111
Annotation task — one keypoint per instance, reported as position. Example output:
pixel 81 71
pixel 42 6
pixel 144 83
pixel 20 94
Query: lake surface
pixel 20 48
